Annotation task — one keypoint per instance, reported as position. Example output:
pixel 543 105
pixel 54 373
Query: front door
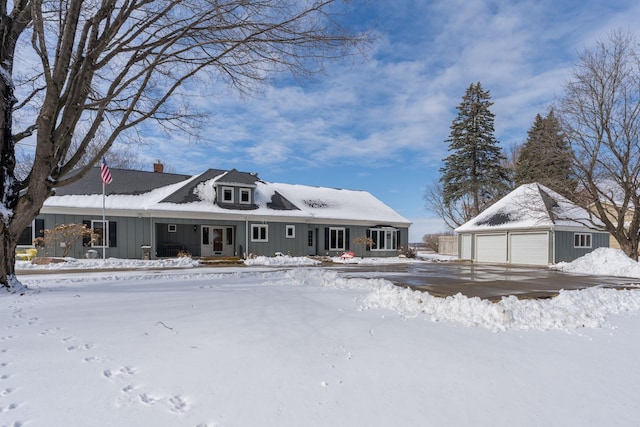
pixel 311 243
pixel 212 242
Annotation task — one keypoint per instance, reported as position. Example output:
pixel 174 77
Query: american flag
pixel 105 174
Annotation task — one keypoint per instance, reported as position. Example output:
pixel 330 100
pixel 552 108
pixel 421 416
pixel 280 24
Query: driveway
pixel 485 281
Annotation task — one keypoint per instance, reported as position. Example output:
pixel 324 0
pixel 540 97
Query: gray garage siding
pixel 564 250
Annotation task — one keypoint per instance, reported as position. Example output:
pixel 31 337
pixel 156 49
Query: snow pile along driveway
pixel 570 310
pixel 602 262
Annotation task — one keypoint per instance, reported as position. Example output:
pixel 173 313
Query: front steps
pixel 221 260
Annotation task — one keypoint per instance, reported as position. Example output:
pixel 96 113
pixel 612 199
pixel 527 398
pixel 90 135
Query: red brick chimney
pixel 158 167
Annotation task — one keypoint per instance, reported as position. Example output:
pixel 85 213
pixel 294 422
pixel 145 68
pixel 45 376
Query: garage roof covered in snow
pixel 530 206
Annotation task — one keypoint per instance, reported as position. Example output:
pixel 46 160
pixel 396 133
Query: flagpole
pixel 104 228
pixel 105 174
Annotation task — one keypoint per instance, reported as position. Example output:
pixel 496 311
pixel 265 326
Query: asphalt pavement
pixel 490 282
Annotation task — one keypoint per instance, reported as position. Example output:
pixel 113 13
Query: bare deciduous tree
pixel 600 114
pixel 103 68
pixel 455 213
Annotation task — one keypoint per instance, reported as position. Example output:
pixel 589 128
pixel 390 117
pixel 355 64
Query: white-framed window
pixel 581 240
pixel 245 196
pixel 337 237
pixel 172 228
pixel 259 233
pixel 100 230
pixel 290 232
pixel 227 194
pixel 384 239
pixel 29 234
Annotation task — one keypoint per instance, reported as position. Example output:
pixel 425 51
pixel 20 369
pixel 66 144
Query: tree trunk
pixel 9 186
pixel 629 247
pixel 8 245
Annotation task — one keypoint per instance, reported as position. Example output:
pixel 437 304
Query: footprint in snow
pixel 116 374
pixel 80 347
pixel 177 404
pixel 149 400
pixel 49 331
pixel 11 407
pixel 94 359
pixel 128 389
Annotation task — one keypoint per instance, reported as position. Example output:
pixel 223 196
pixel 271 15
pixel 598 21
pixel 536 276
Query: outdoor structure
pixel 448 245
pixel 532 225
pixel 218 213
pixel 612 201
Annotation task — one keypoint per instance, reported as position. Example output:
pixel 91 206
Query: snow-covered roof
pixel 530 206
pixel 197 195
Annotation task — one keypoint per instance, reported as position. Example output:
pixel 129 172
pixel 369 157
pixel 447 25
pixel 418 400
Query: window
pixel 290 231
pixel 99 234
pixel 229 236
pixel 172 228
pixel 384 239
pixel 337 239
pixel 582 240
pixel 33 231
pixel 259 233
pixel 245 196
pixel 227 194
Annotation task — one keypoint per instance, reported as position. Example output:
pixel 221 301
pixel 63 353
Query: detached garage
pixel 492 247
pixel 532 225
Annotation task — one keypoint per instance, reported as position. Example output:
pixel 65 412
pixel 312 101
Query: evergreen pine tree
pixel 473 171
pixel 546 157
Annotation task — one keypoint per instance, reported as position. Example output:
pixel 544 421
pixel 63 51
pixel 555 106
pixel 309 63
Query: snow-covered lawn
pixel 304 346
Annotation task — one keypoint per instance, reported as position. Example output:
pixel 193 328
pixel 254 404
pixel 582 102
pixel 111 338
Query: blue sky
pixel 379 123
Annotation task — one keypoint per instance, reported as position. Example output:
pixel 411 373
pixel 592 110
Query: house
pixel 219 213
pixel 613 201
pixel 532 225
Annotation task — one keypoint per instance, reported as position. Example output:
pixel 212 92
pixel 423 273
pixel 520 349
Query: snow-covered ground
pixel 264 346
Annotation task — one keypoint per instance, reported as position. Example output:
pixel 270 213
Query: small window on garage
pixel 291 232
pixel 582 240
pixel 172 228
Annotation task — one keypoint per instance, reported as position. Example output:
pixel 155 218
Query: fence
pixel 448 245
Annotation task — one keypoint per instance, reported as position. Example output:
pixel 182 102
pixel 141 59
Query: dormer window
pixel 227 194
pixel 245 196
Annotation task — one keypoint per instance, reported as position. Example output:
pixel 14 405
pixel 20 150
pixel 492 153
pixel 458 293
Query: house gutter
pixel 246 236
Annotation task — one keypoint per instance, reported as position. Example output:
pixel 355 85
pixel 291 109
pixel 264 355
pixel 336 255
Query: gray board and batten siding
pixel 564 245
pixel 170 236
pixel 238 223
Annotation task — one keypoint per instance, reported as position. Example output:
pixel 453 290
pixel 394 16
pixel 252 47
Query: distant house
pixel 532 225
pixel 219 213
pixel 612 202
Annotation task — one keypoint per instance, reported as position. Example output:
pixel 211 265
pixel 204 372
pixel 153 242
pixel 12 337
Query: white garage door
pixel 465 252
pixel 529 248
pixel 491 248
